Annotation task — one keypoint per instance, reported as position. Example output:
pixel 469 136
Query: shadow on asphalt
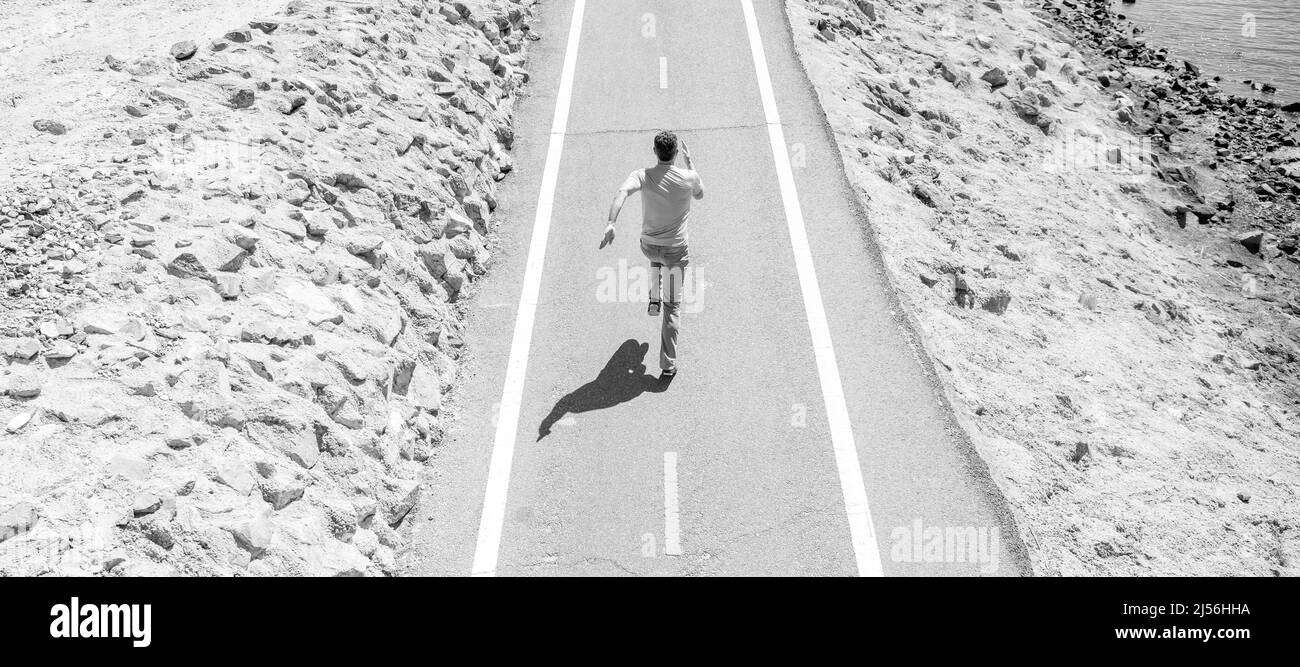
pixel 622 379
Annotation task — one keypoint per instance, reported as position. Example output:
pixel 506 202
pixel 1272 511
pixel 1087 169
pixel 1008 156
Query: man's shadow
pixel 622 379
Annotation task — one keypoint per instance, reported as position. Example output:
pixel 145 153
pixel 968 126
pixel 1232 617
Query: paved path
pixel 802 435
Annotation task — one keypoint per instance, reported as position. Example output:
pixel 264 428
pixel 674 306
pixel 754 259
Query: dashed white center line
pixel 672 526
pixel 663 72
pixel 862 532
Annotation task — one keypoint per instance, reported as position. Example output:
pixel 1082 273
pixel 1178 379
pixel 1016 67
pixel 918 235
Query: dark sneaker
pixel 653 310
pixel 668 372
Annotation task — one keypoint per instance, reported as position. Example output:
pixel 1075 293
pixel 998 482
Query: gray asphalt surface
pixel 759 491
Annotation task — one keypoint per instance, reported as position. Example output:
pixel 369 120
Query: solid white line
pixel 503 447
pixel 663 72
pixel 861 530
pixel 672 527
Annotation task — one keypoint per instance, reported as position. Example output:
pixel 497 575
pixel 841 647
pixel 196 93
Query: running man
pixel 666 193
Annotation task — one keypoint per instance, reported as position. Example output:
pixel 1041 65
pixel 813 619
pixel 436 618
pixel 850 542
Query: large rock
pixel 442 263
pixel 281 491
pixel 184 50
pixel 335 559
pixel 363 244
pixel 106 321
pixel 310 301
pixel 449 13
pixel 1252 241
pixel 995 77
pixel 424 388
pixel 19 421
pixel 56 328
pixel 24 385
pixel 298 441
pixel 399 498
pixel 206 257
pixel 295 229
pixel 50 126
pixel 464 247
pixel 254 536
pixel 144 504
pixel 456 224
pixel 242 98
pixel 182 435
pixel 234 473
pixel 477 210
pixel 930 195
pixel 26 348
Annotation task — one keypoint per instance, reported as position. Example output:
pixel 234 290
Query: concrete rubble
pixel 229 288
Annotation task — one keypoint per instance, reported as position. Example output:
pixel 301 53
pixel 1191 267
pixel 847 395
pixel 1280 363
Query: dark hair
pixel 666 145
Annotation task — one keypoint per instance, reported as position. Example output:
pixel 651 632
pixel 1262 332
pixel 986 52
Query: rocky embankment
pixel 1251 141
pixel 231 275
pixel 1098 250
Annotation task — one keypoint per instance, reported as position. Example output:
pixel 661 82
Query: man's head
pixel 666 146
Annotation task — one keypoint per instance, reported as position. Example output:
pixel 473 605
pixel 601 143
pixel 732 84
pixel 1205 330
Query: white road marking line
pixel 503 447
pixel 672 527
pixel 663 72
pixel 862 532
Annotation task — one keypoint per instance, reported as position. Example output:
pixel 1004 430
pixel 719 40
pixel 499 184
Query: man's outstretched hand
pixel 609 236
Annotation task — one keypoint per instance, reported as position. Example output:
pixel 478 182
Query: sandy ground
pixel 1130 382
pixel 52 60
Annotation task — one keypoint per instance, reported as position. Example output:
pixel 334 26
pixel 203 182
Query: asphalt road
pixel 747 418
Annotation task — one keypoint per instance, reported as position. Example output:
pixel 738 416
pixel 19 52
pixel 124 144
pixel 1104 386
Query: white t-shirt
pixel 666 192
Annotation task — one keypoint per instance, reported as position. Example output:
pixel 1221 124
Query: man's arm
pixel 690 164
pixel 632 184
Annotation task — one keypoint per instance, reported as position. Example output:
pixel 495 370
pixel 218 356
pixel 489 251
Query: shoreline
pixel 1242 130
pixel 1227 52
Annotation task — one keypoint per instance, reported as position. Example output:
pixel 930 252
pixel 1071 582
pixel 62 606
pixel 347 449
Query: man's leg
pixel 656 282
pixel 668 336
pixel 656 288
pixel 672 319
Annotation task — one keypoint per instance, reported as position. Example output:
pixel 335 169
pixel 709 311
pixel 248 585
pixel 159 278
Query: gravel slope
pixel 236 236
pixel 1128 374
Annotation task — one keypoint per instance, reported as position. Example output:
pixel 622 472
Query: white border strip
pixel 861 530
pixel 503 447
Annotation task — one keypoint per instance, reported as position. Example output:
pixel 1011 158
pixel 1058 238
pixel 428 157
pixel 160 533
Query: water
pixel 1234 39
